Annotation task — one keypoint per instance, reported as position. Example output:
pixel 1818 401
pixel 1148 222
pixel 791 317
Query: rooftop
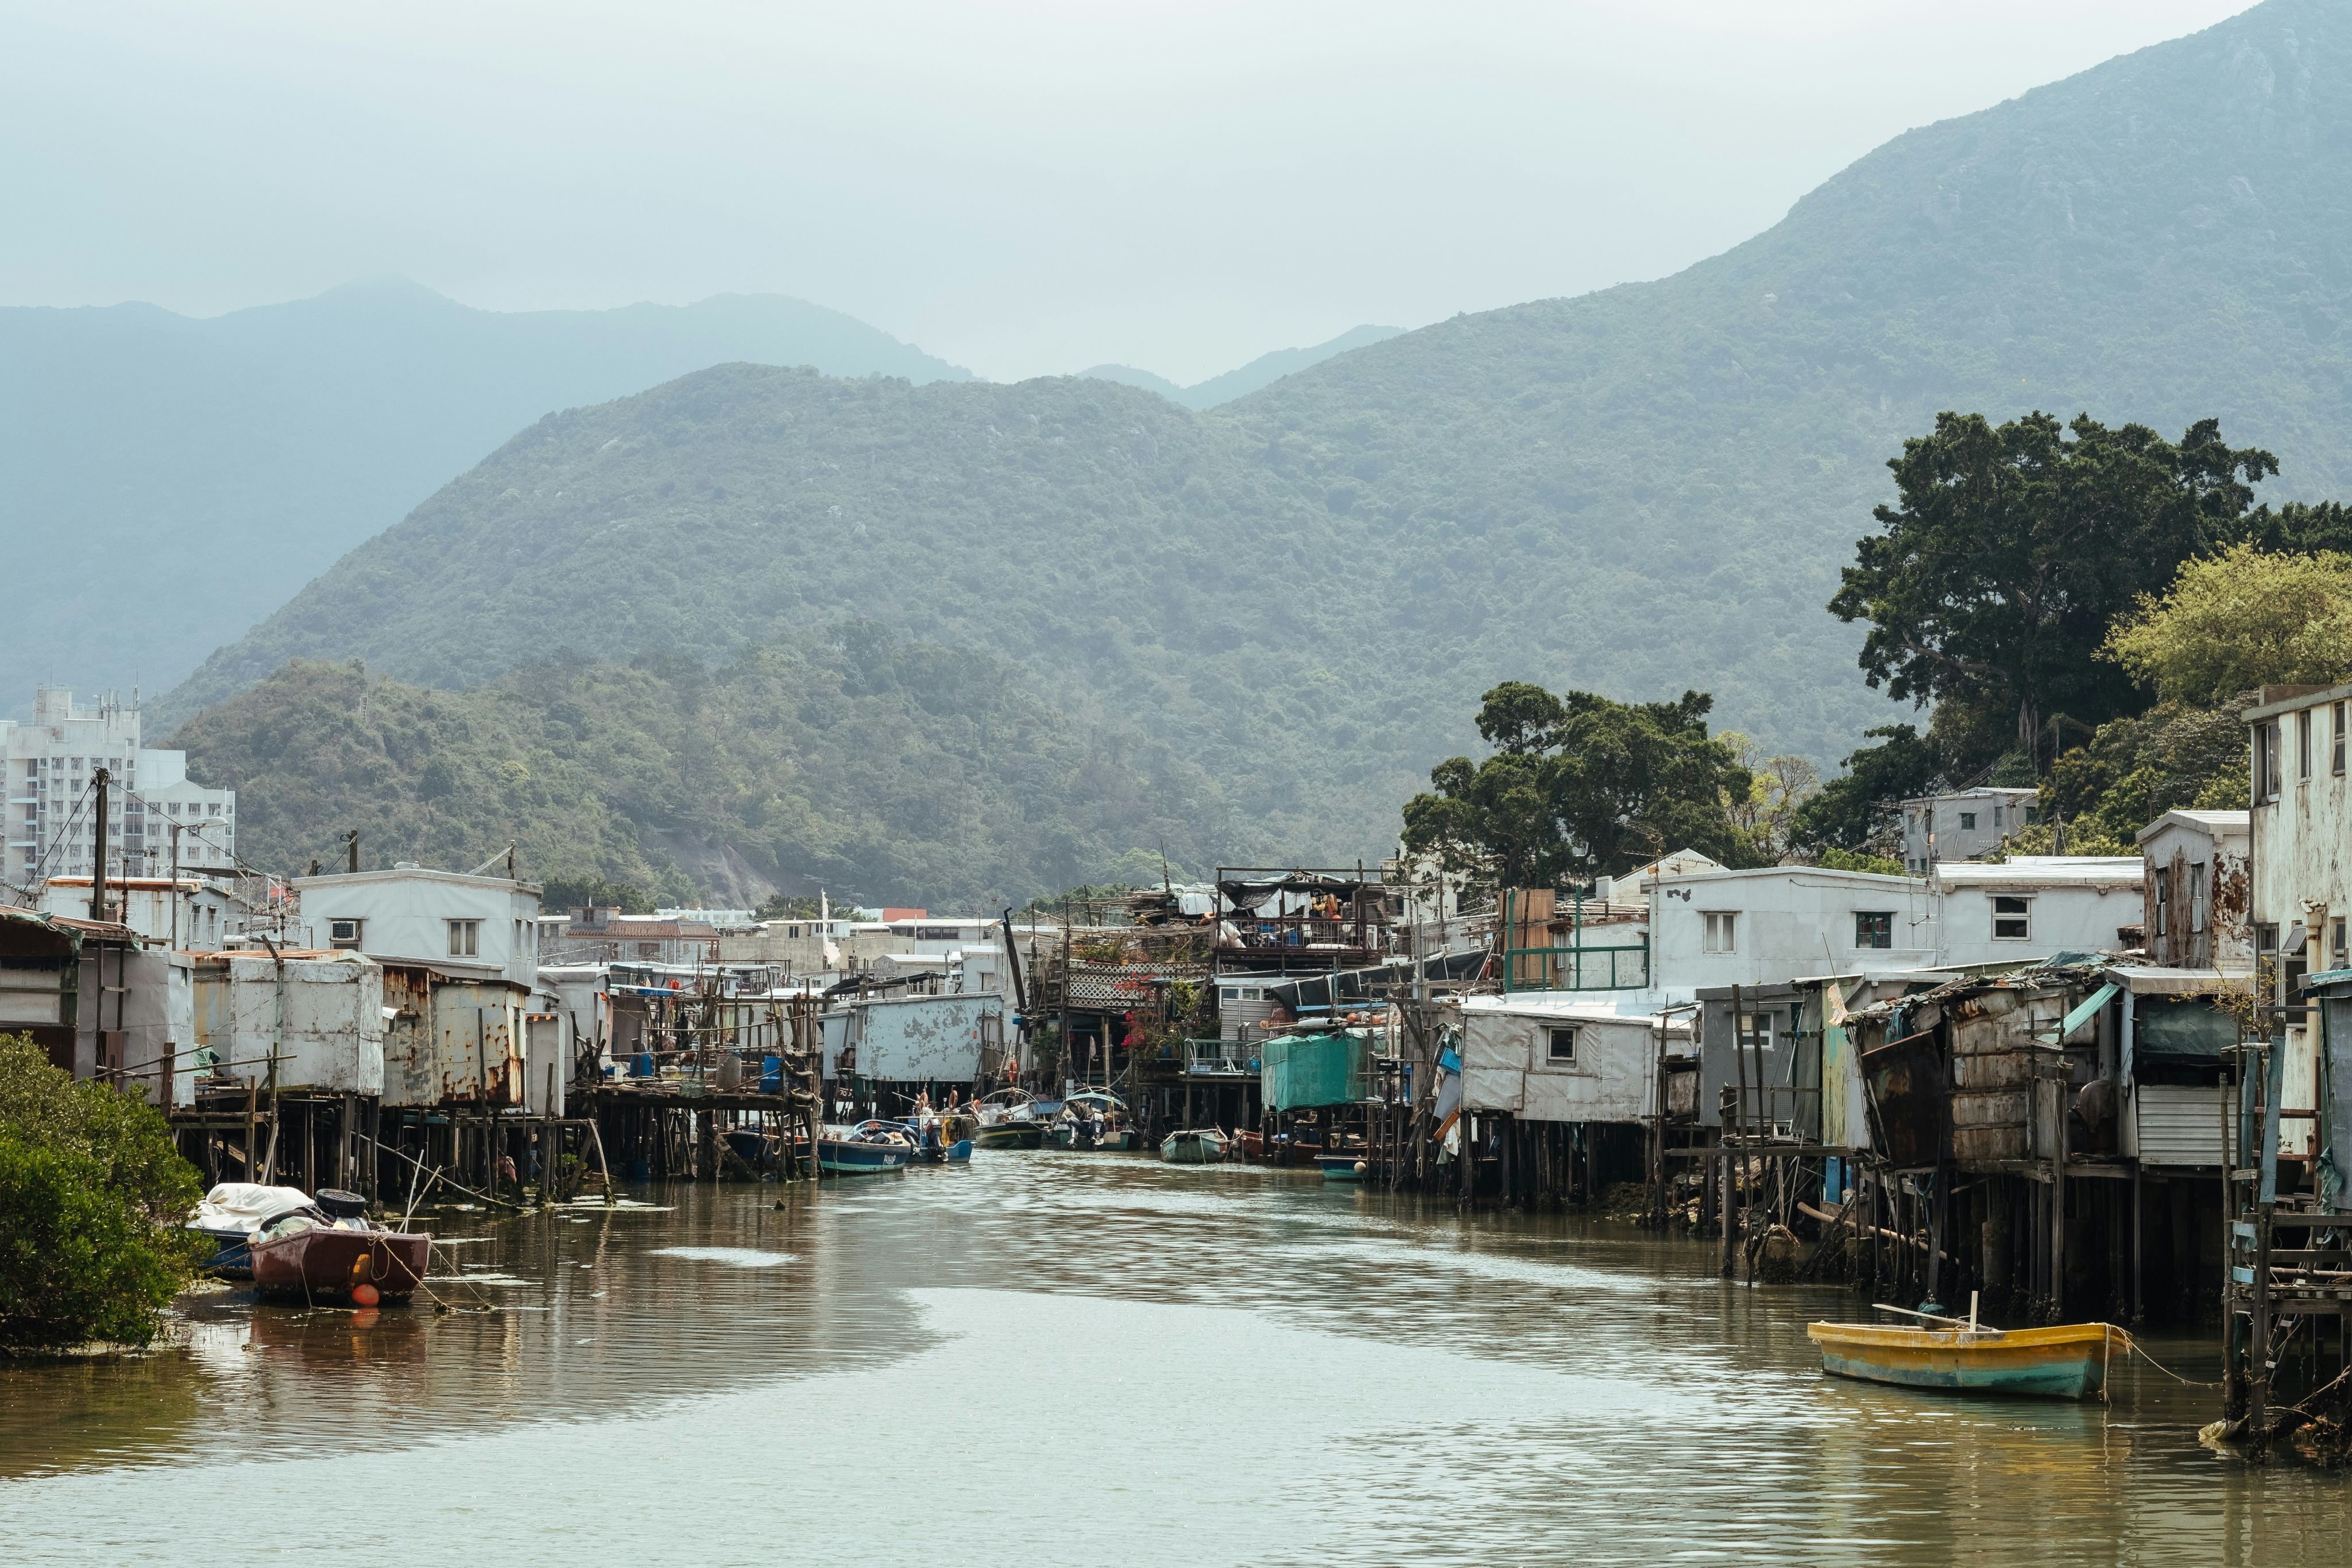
pixel 2045 871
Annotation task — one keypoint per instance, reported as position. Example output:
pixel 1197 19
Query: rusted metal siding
pixel 452 1040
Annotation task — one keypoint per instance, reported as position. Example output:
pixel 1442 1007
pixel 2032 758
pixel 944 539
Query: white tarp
pixel 246 1206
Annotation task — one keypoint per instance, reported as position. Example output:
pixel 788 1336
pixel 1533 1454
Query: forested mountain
pixel 169 481
pixel 1264 370
pixel 845 760
pixel 1633 492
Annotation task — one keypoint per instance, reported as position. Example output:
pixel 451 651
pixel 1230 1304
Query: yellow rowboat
pixel 2065 1362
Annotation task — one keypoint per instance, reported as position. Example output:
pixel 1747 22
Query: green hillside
pixel 170 481
pixel 1633 492
pixel 852 762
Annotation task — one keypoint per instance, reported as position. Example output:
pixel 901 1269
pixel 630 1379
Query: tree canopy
pixel 92 1197
pixel 1844 814
pixel 2010 548
pixel 1579 786
pixel 2245 618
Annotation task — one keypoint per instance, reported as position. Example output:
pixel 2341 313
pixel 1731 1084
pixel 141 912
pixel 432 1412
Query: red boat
pixel 323 1257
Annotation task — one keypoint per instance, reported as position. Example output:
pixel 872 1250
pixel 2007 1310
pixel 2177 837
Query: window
pixel 1756 1030
pixel 2336 956
pixel 1229 994
pixel 1996 817
pixel 1721 934
pixel 2012 918
pixel 2302 745
pixel 2197 897
pixel 465 938
pixel 2033 815
pixel 2266 762
pixel 1874 928
pixel 2335 754
pixel 1560 1045
pixel 342 934
pixel 2160 886
pixel 1967 821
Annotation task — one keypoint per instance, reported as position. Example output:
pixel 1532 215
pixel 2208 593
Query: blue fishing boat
pixel 868 1147
pixel 1349 1165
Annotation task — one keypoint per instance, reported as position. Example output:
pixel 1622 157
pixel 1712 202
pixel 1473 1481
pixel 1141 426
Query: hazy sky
pixel 1024 186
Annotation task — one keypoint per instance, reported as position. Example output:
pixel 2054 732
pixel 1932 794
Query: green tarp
pixel 1300 1071
pixel 2184 1026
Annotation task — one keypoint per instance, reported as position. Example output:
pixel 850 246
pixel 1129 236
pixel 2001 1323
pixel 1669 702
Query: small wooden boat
pixel 1093 1120
pixel 2068 1361
pixel 1195 1146
pixel 1008 1119
pixel 325 1253
pixel 867 1148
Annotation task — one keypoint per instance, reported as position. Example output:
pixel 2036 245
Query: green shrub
pixel 92 1197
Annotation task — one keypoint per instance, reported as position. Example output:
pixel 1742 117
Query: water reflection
pixel 1208 1364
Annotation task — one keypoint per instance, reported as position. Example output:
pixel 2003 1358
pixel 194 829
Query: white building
pixel 47 766
pixel 450 919
pixel 2299 900
pixel 1754 927
pixel 2033 906
pixel 2194 908
pixel 189 914
pixel 1964 825
pixel 1712 929
pixel 1565 1056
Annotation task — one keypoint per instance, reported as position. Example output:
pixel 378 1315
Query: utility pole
pixel 101 779
pixel 353 864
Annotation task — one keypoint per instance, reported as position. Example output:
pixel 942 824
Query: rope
pixel 2133 1346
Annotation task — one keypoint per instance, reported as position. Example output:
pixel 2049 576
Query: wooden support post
pixel 1729 1207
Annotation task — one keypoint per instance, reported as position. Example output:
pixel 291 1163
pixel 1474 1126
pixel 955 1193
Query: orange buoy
pixel 365 1295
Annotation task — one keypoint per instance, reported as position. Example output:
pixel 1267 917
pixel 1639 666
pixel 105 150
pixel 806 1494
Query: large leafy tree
pixel 2246 618
pixel 1846 813
pixel 1579 785
pixel 2010 548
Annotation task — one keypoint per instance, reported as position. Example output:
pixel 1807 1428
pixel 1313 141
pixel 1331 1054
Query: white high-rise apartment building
pixel 49 828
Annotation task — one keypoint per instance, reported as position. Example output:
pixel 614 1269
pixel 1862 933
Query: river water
pixel 1060 1358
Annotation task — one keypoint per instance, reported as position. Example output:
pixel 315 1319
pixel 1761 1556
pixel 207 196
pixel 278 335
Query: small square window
pixel 1874 928
pixel 2033 815
pixel 1560 1045
pixel 2012 919
pixel 465 938
pixel 1756 1030
pixel 1967 821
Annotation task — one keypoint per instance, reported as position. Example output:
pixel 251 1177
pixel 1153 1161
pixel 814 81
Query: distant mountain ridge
pixel 1262 371
pixel 171 480
pixel 1635 491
